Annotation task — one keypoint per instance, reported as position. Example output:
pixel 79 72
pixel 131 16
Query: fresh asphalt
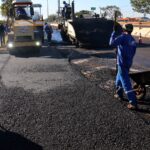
pixel 47 104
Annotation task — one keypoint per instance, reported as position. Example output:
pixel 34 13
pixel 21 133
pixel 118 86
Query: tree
pixel 5 7
pixel 109 11
pixel 51 18
pixel 82 12
pixel 141 6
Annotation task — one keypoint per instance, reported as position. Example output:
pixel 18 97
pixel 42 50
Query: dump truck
pixel 86 32
pixel 27 31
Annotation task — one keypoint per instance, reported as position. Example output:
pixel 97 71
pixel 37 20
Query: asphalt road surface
pixel 142 57
pixel 47 104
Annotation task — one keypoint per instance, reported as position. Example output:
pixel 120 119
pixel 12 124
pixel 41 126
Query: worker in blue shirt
pixel 48 30
pixel 126 49
pixel 2 34
pixel 21 11
pixel 65 10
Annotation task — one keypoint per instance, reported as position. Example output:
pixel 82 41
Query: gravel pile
pixel 81 116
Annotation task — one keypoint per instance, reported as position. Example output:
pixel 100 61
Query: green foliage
pixel 5 7
pixel 141 6
pixel 2 21
pixel 109 12
pixel 82 12
pixel 51 18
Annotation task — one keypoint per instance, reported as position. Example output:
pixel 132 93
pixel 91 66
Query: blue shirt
pixel 126 48
pixel 48 29
pixel 21 11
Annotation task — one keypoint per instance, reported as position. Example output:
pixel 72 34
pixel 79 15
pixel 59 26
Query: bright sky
pixel 124 5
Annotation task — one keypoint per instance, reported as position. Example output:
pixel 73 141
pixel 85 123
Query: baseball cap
pixel 128 27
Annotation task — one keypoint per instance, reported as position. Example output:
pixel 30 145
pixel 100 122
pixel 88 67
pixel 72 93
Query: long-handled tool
pixel 114 28
pixel 115 20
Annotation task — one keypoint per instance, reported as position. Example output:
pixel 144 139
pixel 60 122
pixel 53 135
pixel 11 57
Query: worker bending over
pixel 48 30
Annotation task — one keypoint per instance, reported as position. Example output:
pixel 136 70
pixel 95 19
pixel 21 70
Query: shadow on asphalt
pixel 144 102
pixel 72 53
pixel 143 45
pixel 47 51
pixel 25 53
pixel 105 55
pixel 142 110
pixel 13 141
pixel 66 50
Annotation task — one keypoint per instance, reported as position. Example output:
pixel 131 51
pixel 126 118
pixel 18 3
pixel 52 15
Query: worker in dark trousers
pixel 2 35
pixel 126 49
pixel 65 13
pixel 48 30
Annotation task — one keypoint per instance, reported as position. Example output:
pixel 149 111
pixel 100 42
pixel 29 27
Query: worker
pixel 65 4
pixel 126 49
pixel 48 30
pixel 6 27
pixel 66 11
pixel 2 34
pixel 21 13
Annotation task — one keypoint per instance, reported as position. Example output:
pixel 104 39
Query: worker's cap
pixel 127 27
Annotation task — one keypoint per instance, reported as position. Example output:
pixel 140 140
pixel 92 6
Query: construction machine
pixel 27 29
pixel 85 32
pixel 38 20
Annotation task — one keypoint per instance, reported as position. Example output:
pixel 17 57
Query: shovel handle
pixel 115 19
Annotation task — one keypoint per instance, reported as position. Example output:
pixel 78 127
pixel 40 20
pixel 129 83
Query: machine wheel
pixel 140 91
pixel 77 43
pixel 64 35
pixel 11 51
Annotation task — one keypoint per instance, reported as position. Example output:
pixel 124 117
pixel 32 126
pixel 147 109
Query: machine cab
pixel 22 9
pixel 37 12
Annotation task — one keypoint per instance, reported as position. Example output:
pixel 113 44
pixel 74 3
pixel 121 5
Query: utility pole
pixel 47 9
pixel 58 8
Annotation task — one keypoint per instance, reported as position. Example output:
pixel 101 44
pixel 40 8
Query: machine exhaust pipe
pixel 73 11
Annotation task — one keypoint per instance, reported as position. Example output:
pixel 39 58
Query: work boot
pixel 132 107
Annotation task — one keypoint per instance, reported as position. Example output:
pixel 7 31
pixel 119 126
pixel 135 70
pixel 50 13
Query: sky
pixel 124 5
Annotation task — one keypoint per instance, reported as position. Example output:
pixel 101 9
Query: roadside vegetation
pixel 140 6
pixel 5 7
